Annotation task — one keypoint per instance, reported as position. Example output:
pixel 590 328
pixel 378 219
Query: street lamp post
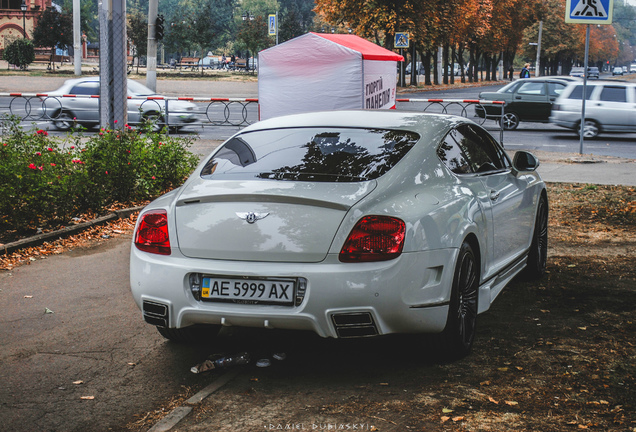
pixel 23 8
pixel 247 17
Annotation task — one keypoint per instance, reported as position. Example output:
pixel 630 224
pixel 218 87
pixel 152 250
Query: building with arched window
pixel 16 21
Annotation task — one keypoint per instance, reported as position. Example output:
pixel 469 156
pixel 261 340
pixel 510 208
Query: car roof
pixel 374 119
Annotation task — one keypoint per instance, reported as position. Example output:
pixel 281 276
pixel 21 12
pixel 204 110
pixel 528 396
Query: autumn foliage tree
pixel 484 29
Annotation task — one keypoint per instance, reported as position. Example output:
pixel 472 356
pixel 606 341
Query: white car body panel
pixel 307 224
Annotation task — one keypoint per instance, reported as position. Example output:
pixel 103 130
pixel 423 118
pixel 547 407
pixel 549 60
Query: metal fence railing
pixel 175 112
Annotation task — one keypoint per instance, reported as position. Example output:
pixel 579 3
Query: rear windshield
pixel 310 154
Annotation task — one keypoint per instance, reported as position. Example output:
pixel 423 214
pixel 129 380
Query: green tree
pixel 89 21
pixel 137 32
pixel 291 24
pixel 254 35
pixel 20 53
pixel 54 30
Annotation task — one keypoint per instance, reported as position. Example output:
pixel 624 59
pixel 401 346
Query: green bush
pixel 44 181
pixel 20 52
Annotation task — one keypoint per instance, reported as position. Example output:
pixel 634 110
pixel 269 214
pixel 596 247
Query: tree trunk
pixel 427 67
pixel 445 62
pixel 452 72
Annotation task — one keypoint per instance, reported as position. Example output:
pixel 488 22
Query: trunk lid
pixel 256 220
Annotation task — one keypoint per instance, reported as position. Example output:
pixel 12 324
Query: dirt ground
pixel 554 355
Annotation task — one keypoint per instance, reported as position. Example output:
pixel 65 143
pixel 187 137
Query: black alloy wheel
pixel 458 336
pixel 538 255
pixel 510 121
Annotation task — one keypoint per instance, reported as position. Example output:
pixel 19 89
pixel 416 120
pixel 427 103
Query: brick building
pixel 12 18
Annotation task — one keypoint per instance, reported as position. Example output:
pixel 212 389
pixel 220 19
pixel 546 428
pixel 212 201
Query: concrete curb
pixel 181 412
pixel 67 231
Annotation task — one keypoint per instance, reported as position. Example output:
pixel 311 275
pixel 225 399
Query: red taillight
pixel 152 233
pixel 374 238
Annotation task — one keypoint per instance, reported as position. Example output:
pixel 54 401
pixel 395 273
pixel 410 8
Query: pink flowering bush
pixel 46 181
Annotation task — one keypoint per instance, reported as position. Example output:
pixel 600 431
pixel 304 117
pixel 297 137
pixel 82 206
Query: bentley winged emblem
pixel 251 217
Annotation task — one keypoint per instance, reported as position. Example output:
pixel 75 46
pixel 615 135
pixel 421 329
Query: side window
pixel 481 151
pixel 614 94
pixel 512 88
pixel 86 88
pixel 532 88
pixel 577 92
pixel 555 89
pixel 451 154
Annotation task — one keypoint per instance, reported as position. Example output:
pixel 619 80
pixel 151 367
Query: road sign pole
pixel 584 96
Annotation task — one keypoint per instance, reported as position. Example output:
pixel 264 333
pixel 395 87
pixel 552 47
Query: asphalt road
pixel 528 136
pixel 91 363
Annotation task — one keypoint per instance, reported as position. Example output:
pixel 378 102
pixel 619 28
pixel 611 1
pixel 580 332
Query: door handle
pixel 494 195
pixel 517 97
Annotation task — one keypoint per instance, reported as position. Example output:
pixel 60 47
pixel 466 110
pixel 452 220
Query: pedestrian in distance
pixel 511 71
pixel 525 72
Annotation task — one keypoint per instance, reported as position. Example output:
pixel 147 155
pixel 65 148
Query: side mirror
pixel 525 161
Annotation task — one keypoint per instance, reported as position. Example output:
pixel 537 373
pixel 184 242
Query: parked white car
pixel 347 223
pixel 609 107
pixel 77 102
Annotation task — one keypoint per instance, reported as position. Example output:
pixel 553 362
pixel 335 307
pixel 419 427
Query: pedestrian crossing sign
pixel 589 11
pixel 401 40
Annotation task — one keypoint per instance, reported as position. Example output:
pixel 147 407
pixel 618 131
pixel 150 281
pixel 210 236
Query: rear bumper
pixel 407 295
pixel 566 119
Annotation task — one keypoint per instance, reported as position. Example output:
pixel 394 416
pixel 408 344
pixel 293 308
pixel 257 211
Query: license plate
pixel 278 291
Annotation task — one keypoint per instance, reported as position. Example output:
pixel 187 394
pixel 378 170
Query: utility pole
pixel 151 58
pixel 113 82
pixel 537 70
pixel 77 38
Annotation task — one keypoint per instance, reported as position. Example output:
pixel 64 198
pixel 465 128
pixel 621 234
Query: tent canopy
pixel 369 50
pixel 315 72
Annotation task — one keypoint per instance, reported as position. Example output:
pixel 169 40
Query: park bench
pixel 240 64
pixel 46 59
pixel 189 62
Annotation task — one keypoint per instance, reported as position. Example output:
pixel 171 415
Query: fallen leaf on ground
pixel 78 382
pixel 87 397
pixel 512 403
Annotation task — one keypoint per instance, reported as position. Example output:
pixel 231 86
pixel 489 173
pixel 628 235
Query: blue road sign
pixel 589 11
pixel 401 40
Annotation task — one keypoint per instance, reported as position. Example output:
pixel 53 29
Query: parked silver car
pixel 77 101
pixel 609 108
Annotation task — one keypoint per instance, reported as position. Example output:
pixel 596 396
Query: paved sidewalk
pixel 172 87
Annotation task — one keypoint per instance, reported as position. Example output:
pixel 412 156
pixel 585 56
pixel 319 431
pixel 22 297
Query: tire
pixel 456 341
pixel 190 335
pixel 63 120
pixel 538 255
pixel 510 121
pixel 591 129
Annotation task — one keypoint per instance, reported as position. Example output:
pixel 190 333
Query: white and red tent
pixel 317 72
